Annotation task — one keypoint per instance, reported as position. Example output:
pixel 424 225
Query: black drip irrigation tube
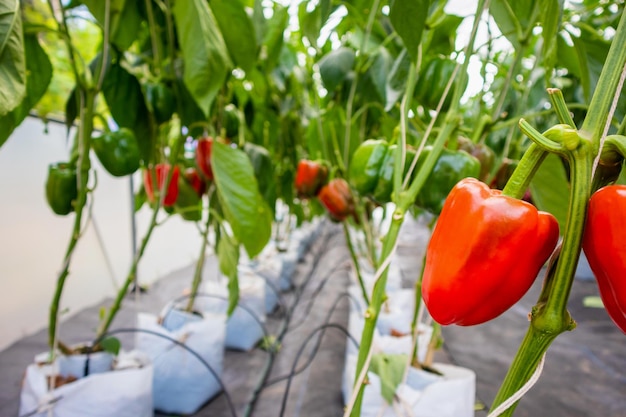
pixel 298 291
pixel 293 372
pixel 319 341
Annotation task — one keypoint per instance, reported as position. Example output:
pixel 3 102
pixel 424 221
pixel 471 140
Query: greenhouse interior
pixel 291 208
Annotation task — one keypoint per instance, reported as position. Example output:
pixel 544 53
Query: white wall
pixel 33 240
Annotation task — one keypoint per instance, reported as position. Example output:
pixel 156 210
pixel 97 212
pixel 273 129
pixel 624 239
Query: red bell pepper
pixel 310 178
pixel 162 171
pixel 203 157
pixel 484 254
pixel 337 198
pixel 604 243
pixel 193 178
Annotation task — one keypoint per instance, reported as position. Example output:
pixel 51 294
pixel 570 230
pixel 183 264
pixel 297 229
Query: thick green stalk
pixel 517 185
pixel 550 317
pixel 84 144
pixel 197 276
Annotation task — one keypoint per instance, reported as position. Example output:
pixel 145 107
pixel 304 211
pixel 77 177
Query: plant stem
pixel 355 262
pixel 550 317
pixel 352 93
pixel 84 144
pixel 197 276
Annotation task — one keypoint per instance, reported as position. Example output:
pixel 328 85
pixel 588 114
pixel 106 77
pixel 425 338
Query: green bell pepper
pixel 450 168
pixel 161 101
pixel 118 152
pixel 366 164
pixel 61 188
pixel 432 81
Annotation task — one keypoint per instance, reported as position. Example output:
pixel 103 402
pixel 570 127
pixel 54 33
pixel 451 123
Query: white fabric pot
pixel 424 394
pixel 182 383
pixel 244 327
pixel 124 392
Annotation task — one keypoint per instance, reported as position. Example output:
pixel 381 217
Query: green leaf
pixel 263 171
pixel 591 51
pixel 39 74
pixel 377 73
pixel 335 67
pixel 122 92
pixel 238 31
pixel 244 208
pixel 274 36
pixel 408 18
pixel 203 49
pixel 111 345
pixel 12 60
pixel 228 255
pixel 125 19
pixel 550 18
pixel 390 369
pixel 396 79
pixel 513 17
pixel 550 189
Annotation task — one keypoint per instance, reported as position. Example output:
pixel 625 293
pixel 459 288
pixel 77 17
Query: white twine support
pixel 358 383
pixel 521 392
pixel 618 92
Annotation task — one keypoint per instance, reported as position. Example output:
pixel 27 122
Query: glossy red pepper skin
pixel 337 198
pixel 604 243
pixel 194 179
pixel 484 254
pixel 161 175
pixel 203 157
pixel 311 176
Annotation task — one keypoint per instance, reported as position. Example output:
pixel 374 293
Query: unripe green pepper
pixel 118 152
pixel 61 188
pixel 450 168
pixel 365 165
pixel 161 101
pixel 432 81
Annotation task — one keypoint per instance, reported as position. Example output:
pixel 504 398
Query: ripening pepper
pixel 161 101
pixel 450 168
pixel 311 176
pixel 432 81
pixel 203 157
pixel 188 202
pixel 118 152
pixel 162 171
pixel 503 174
pixel 604 243
pixel 484 254
pixel 337 198
pixel 61 188
pixel 485 155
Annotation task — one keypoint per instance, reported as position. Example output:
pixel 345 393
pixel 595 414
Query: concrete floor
pixel 584 374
